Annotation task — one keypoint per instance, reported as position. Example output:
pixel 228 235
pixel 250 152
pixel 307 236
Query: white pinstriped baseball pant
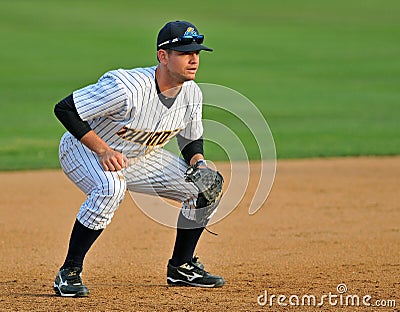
pixel 159 173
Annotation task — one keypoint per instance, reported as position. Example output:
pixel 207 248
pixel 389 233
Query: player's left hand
pixel 208 181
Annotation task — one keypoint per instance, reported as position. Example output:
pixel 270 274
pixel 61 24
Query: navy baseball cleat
pixel 68 283
pixel 192 274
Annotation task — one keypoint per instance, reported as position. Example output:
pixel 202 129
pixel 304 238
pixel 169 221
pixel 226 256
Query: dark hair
pixel 169 51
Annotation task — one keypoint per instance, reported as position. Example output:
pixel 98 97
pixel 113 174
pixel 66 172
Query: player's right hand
pixel 112 160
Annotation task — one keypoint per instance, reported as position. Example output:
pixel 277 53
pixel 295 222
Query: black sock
pixel 187 235
pixel 82 238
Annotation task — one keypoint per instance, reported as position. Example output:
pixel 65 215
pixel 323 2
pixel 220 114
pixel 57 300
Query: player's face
pixel 182 66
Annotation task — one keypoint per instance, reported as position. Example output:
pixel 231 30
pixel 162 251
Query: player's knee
pixel 113 187
pixel 115 190
pixel 199 209
pixel 112 196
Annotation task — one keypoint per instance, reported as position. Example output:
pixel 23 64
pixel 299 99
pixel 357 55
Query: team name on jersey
pixel 147 138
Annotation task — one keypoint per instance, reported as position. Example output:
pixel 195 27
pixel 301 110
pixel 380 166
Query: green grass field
pixel 325 74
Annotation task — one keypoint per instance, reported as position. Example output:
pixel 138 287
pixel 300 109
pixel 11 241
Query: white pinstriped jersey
pixel 124 109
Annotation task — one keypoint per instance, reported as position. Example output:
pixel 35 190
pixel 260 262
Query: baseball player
pixel 116 130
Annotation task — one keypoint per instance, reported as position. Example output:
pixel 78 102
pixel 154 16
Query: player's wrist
pixel 102 150
pixel 195 158
pixel 201 162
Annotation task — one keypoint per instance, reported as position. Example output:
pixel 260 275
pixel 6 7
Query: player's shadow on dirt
pixel 130 285
pixel 53 295
pixel 46 295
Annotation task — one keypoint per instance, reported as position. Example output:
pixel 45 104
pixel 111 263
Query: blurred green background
pixel 325 74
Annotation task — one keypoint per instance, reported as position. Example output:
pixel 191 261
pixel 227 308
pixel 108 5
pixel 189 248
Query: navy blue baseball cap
pixel 180 36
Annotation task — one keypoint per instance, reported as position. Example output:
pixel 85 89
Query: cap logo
pixel 190 32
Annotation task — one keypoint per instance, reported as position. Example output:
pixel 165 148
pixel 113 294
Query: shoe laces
pixel 197 263
pixel 73 275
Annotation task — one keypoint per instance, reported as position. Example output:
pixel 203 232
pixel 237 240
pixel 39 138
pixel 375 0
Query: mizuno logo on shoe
pixel 187 266
pixel 190 277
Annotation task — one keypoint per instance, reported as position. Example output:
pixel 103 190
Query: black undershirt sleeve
pixel 67 114
pixel 189 148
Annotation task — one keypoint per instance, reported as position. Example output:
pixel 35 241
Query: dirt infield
pixel 327 222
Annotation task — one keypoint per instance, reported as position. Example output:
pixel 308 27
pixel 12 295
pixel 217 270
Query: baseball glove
pixel 209 182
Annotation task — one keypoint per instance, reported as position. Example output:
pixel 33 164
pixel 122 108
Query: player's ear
pixel 162 56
